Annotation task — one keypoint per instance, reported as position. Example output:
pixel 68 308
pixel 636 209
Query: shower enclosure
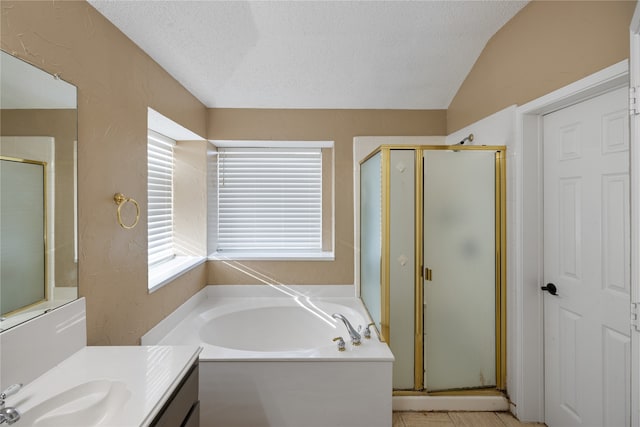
pixel 432 263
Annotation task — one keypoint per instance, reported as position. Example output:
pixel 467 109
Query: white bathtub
pixel 269 358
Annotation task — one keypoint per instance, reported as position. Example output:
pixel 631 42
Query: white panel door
pixel 586 257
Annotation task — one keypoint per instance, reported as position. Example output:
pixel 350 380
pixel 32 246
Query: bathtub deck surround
pixel 269 357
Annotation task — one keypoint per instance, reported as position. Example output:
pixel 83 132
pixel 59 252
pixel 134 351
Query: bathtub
pixel 269 358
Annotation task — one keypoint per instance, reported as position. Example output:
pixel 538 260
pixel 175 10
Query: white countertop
pixel 146 375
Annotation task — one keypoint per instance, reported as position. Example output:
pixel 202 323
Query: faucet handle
pixel 367 330
pixel 341 344
pixel 12 389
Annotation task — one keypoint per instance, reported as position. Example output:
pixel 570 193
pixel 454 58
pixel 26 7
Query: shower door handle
pixel 551 288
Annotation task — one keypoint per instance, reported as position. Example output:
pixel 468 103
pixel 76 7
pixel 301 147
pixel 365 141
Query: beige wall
pixel 546 46
pixel 61 125
pixel 339 126
pixel 116 83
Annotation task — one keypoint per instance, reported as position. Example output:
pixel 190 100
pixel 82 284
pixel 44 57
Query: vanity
pixel 124 386
pixel 67 383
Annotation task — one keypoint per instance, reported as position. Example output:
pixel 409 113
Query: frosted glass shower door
pixel 460 251
pixel 371 236
pixel 22 227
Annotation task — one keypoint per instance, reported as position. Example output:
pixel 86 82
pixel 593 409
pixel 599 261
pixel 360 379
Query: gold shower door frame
pixel 46 225
pixel 500 260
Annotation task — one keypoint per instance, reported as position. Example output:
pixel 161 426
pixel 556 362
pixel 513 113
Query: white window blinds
pixel 269 200
pixel 160 197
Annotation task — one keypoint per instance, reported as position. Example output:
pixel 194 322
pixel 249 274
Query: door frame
pixel 634 136
pixel 526 386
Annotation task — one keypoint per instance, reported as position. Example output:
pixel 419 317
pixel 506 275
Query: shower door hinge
pixel 635 315
pixel 427 274
pixel 634 108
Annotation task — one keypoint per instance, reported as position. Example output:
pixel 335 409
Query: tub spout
pixel 355 336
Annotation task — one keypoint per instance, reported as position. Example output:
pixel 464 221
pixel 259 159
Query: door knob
pixel 551 288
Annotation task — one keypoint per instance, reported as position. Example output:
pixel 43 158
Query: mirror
pixel 38 202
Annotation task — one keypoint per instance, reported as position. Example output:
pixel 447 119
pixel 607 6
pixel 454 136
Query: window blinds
pixel 160 197
pixel 269 200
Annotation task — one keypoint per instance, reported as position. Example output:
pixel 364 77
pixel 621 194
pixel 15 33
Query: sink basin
pixel 92 403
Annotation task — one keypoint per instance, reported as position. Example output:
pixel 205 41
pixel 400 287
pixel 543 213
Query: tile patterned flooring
pixel 458 419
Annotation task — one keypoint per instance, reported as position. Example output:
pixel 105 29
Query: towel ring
pixel 121 200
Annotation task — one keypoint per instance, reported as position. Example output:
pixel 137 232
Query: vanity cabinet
pixel 183 407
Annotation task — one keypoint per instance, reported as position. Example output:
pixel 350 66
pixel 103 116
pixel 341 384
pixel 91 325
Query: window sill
pixel 161 274
pixel 266 256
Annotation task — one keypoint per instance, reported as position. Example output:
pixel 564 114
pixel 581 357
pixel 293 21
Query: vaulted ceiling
pixel 314 54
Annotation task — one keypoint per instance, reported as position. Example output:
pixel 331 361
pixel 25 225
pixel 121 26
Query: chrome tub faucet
pixel 355 336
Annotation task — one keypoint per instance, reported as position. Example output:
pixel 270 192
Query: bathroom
pixel 118 83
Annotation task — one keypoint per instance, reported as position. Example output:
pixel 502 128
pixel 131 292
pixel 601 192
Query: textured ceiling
pixel 314 54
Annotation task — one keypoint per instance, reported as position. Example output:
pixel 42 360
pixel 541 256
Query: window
pixel 268 201
pixel 176 180
pixel 160 198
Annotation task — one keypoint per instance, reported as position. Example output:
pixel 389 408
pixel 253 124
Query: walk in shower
pixel 432 263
